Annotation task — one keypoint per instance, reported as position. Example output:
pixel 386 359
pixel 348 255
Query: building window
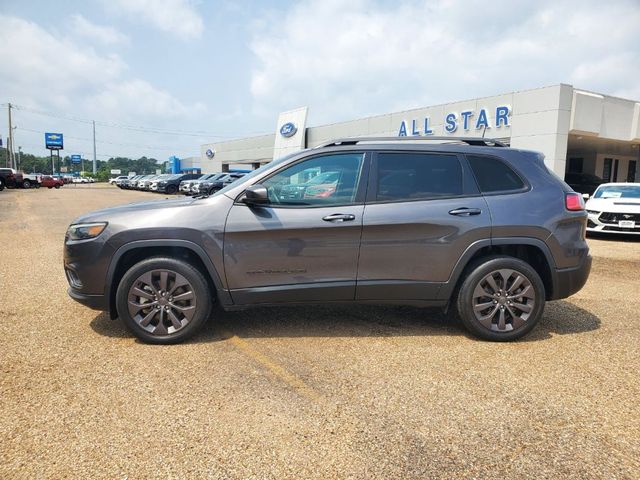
pixel 576 165
pixel 606 169
pixel 631 172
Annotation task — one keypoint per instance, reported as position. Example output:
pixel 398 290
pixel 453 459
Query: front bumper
pixel 610 222
pixel 95 302
pixel 568 281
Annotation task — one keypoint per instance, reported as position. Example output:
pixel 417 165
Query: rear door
pixel 304 246
pixel 422 212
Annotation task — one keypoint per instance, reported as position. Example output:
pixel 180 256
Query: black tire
pixel 26 184
pixel 197 285
pixel 507 321
pixel 57 186
pixel 171 189
pixel 1 184
pixel 49 188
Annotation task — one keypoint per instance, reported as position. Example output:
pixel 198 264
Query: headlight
pixel 85 231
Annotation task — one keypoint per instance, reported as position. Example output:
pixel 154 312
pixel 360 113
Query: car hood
pixel 133 208
pixel 617 205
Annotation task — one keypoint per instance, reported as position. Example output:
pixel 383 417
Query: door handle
pixel 465 211
pixel 339 217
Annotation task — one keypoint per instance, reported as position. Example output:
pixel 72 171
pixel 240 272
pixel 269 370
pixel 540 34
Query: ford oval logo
pixel 210 153
pixel 288 130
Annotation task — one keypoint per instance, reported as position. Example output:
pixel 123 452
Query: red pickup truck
pixel 51 182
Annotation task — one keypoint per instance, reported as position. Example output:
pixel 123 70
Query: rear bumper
pixel 568 281
pixel 95 302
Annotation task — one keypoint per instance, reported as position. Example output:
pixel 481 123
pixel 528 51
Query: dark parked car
pixel 478 229
pixel 583 182
pixel 209 187
pixel 10 177
pixel 171 183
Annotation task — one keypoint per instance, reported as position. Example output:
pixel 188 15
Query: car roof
pixel 633 184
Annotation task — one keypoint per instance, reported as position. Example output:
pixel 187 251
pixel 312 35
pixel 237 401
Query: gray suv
pixel 483 231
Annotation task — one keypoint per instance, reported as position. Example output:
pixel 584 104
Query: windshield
pixel 618 191
pixel 256 172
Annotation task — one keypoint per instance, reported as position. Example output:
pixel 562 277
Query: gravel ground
pixel 323 392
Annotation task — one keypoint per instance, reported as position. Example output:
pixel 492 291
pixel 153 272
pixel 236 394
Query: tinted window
pixel 323 180
pixel 494 175
pixel 411 176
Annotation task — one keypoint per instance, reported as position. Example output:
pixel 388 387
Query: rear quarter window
pixel 493 175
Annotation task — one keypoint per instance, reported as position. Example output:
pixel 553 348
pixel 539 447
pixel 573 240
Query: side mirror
pixel 585 196
pixel 256 195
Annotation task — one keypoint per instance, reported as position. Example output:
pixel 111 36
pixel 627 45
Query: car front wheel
pixel 26 184
pixel 163 300
pixel 501 299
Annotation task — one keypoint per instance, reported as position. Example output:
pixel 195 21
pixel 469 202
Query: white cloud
pixel 103 34
pixel 178 17
pixel 357 58
pixel 50 72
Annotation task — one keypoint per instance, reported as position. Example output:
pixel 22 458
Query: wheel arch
pixel 131 253
pixel 531 250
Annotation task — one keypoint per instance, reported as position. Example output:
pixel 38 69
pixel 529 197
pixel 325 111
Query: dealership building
pixel 578 131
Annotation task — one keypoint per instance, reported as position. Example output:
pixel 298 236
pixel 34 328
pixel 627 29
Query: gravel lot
pixel 322 392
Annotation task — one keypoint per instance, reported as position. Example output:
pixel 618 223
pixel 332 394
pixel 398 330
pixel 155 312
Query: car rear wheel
pixel 501 299
pixel 57 186
pixel 1 184
pixel 26 184
pixel 171 189
pixel 163 300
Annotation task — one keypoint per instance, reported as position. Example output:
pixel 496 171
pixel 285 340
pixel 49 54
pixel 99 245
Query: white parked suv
pixel 114 180
pixel 614 208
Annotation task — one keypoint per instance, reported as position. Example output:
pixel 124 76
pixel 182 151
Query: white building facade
pixel 577 131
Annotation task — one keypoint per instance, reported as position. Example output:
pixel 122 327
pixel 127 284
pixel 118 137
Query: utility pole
pixel 94 148
pixel 10 141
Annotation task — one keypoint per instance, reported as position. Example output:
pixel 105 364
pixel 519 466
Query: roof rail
pixel 474 141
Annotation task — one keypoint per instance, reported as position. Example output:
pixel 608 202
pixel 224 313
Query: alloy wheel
pixel 503 300
pixel 161 302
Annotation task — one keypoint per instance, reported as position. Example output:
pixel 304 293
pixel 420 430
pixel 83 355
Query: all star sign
pixel 454 121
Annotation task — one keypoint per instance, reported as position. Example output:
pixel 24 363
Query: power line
pixel 136 128
pixel 135 145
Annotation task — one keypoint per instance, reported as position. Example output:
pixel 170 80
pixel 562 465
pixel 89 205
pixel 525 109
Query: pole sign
pixel 116 171
pixel 76 159
pixel 53 141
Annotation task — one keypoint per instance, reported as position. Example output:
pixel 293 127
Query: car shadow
pixel 560 318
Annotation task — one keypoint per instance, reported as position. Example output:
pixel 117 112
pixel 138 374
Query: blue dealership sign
pixel 288 130
pixel 53 141
pixel 76 159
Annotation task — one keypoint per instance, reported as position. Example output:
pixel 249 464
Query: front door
pixel 303 245
pixel 423 210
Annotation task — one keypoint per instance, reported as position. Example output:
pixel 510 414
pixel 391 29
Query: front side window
pixel 415 176
pixel 323 180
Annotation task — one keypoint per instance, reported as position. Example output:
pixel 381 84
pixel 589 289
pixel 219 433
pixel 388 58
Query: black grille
pixel 608 217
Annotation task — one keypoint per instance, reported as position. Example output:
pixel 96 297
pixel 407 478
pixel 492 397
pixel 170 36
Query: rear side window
pixel 494 175
pixel 414 176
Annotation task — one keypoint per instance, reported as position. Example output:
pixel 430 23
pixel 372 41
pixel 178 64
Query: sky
pixel 162 77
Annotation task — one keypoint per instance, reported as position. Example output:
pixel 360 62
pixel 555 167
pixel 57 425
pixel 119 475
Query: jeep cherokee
pixel 469 225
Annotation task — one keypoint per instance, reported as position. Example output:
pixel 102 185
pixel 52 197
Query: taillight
pixel 573 201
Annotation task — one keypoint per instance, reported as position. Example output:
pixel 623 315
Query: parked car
pixel 171 183
pixel 127 184
pixel 145 184
pixel 583 182
pixel 457 230
pixel 133 184
pixel 209 187
pixel 185 185
pixel 51 182
pixel 10 178
pixel 31 180
pixel 615 208
pixel 154 182
pixel 112 181
pixel 204 183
